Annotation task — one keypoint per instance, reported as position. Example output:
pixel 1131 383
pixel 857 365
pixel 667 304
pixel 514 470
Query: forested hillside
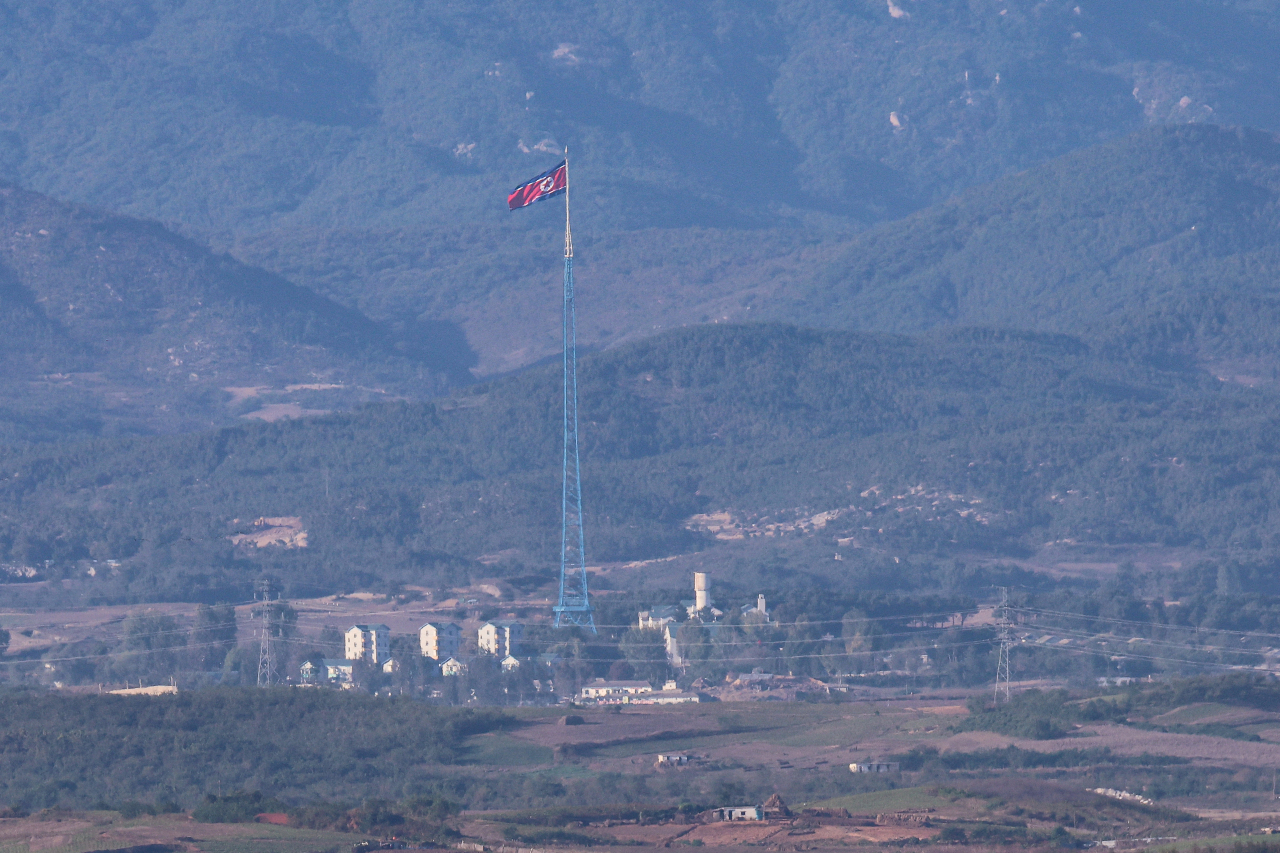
pixel 112 324
pixel 1167 241
pixel 224 116
pixel 993 443
pixel 364 149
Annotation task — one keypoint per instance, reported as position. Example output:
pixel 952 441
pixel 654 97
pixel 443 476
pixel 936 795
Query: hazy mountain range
pixel 218 212
pixel 365 150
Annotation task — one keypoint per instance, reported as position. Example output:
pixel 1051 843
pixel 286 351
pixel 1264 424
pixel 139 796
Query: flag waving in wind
pixel 549 183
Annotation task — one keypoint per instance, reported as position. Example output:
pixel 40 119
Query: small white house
pixel 391 665
pixel 510 663
pixel 740 813
pixel 673 759
pixel 452 666
pixel 338 670
pixel 310 672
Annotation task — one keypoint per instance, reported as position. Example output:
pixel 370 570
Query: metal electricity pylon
pixel 1006 643
pixel 267 595
pixel 574 605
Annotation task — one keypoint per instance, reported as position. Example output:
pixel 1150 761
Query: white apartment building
pixel 370 643
pixel 500 638
pixel 439 641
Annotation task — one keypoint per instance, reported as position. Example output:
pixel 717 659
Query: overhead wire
pixel 1160 625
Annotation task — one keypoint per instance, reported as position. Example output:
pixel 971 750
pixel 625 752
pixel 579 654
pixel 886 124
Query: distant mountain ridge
pixel 1167 241
pixel 365 151
pixel 135 326
pixel 235 118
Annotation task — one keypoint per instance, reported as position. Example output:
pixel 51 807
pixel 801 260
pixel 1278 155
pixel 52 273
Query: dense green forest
pixel 297 744
pixel 964 441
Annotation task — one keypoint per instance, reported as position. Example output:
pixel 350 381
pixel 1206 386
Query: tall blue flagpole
pixel 574 606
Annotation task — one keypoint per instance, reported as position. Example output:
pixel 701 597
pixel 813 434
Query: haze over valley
pixel 928 383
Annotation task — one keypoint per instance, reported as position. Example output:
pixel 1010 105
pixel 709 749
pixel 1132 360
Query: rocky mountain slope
pixel 112 323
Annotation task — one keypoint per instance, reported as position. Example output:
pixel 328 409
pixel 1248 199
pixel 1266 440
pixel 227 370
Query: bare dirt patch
pixel 737 832
pixel 241 393
pixel 274 532
pixel 273 412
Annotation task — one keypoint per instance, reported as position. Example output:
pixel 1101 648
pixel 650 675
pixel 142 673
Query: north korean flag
pixel 549 183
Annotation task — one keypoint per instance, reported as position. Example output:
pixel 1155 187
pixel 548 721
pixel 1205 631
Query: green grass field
pixel 240 838
pixel 1225 843
pixel 283 839
pixel 885 801
pixel 506 751
pixel 1192 713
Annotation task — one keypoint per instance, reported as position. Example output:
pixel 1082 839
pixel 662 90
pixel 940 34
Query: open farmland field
pixel 957 769
pixel 78 832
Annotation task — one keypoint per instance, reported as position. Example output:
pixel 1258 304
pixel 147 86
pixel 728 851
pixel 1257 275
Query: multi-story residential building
pixel 500 638
pixel 370 643
pixel 440 640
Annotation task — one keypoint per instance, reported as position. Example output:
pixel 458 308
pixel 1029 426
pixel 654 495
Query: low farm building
pixel 875 767
pixel 614 692
pixel 738 813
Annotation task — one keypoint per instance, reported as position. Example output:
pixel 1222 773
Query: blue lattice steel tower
pixel 574 605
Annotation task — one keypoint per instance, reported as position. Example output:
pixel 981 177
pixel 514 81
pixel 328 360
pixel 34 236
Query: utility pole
pixel 267 595
pixel 1006 642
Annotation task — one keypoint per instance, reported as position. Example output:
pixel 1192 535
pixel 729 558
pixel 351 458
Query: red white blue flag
pixel 549 183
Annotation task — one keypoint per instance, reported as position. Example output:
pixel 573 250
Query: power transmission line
pixel 1006 642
